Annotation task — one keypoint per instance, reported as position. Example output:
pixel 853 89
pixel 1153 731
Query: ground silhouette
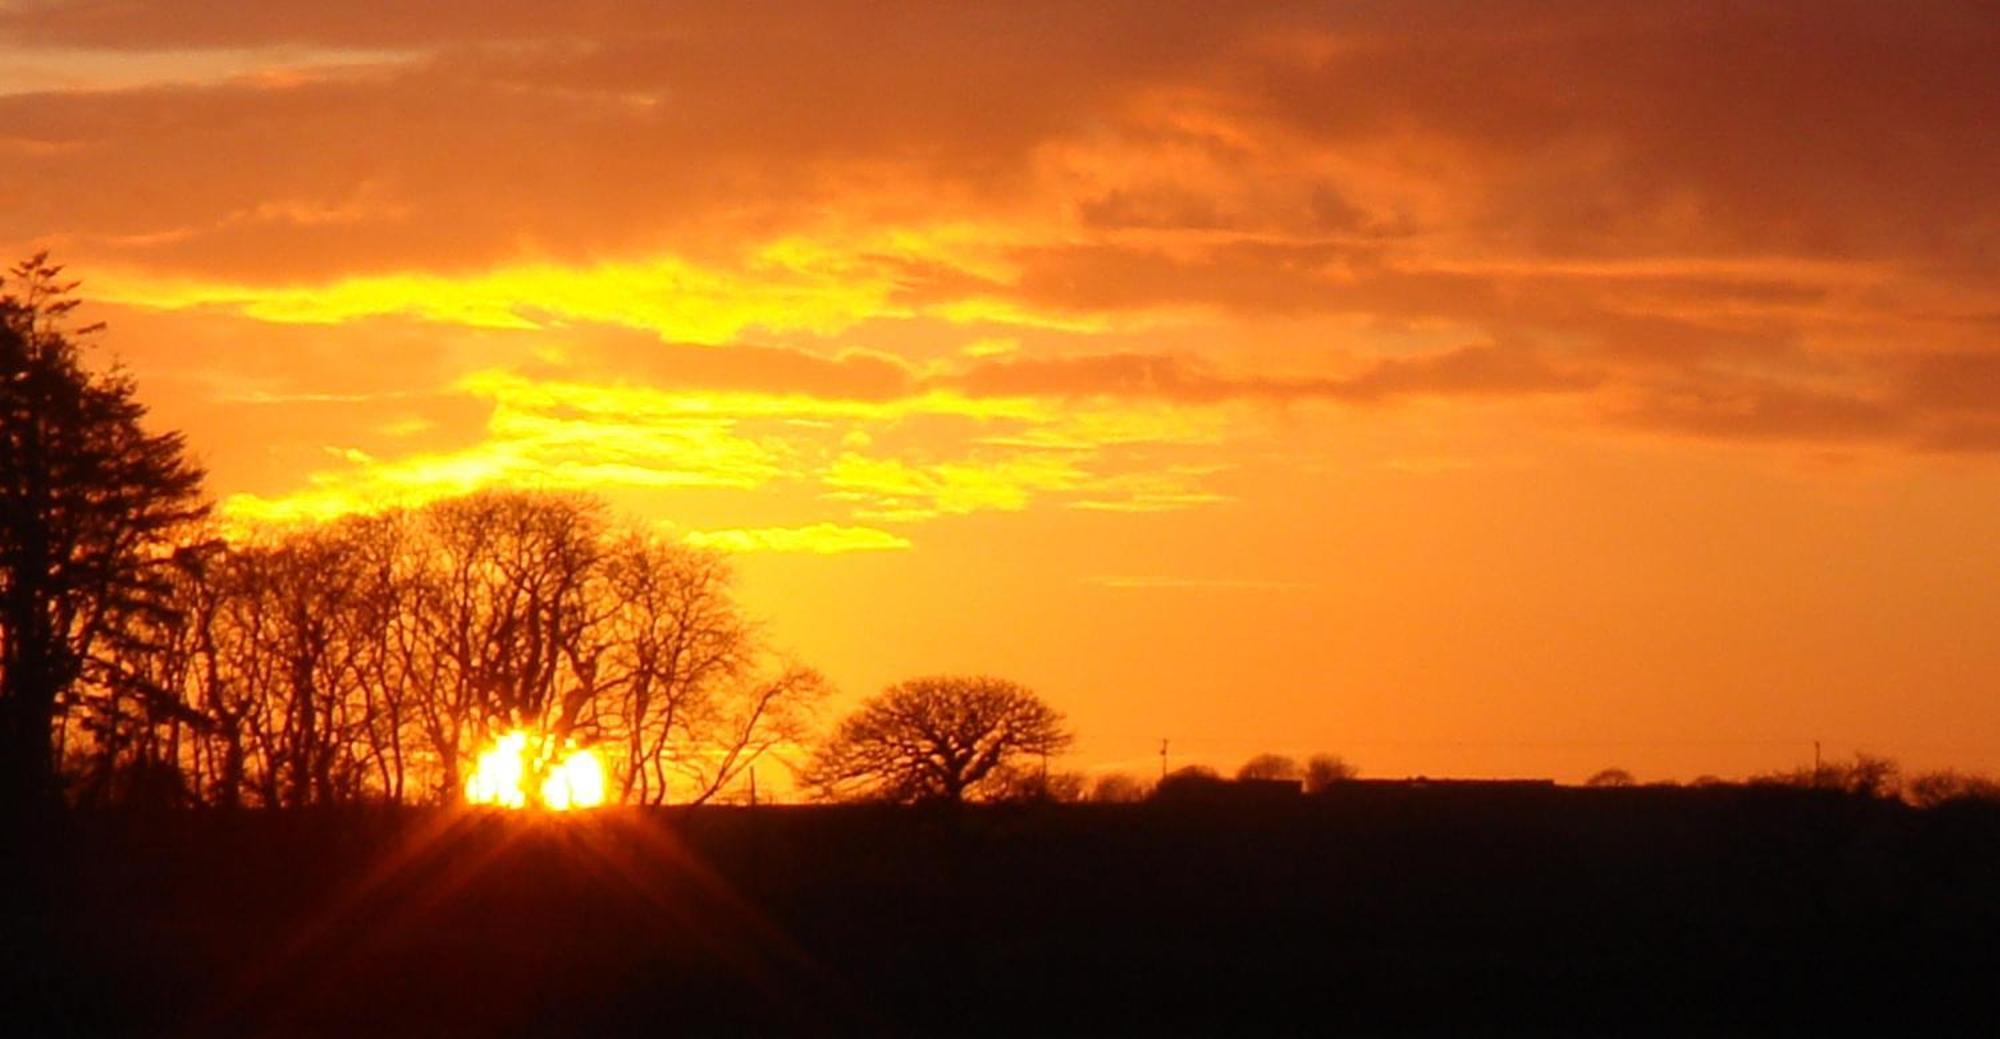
pixel 1374 908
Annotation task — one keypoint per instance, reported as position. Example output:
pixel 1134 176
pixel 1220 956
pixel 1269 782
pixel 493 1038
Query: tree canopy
pixel 946 738
pixel 375 657
pixel 92 509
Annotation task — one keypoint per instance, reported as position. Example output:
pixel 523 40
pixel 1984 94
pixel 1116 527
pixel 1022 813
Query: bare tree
pixel 676 638
pixel 1271 766
pixel 1324 770
pixel 501 616
pixel 370 657
pixel 1866 776
pixel 752 718
pixel 1119 788
pixel 1028 784
pixel 1610 777
pixel 936 739
pixel 1935 788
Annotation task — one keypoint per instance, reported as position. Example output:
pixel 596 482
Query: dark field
pixel 1375 910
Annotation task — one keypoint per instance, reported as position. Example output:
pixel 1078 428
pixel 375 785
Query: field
pixel 1373 910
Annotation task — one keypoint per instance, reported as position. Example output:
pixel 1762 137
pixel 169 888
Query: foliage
pixel 947 739
pixel 92 508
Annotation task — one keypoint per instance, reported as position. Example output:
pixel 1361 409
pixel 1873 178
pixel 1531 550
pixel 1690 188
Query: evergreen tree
pixel 91 510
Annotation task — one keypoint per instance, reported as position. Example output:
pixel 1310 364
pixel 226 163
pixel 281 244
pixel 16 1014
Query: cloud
pixel 1464 371
pixel 674 299
pixel 1755 409
pixel 817 539
pixel 896 490
pixel 1687 216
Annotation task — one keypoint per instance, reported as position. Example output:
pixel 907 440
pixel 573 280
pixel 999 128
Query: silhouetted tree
pixel 371 657
pixel 1119 788
pixel 1188 782
pixel 1028 783
pixel 301 632
pixel 1324 770
pixel 1866 776
pixel 92 507
pixel 944 738
pixel 1610 777
pixel 1271 766
pixel 507 617
pixel 1935 788
pixel 684 688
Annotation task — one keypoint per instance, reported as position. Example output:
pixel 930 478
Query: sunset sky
pixel 1469 389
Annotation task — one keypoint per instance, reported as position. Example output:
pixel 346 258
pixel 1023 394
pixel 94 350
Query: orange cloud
pixel 817 539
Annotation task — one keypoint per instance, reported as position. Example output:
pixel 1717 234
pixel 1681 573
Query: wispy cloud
pixel 816 539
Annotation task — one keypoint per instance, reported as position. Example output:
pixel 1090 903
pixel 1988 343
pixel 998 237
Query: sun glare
pixel 578 782
pixel 505 773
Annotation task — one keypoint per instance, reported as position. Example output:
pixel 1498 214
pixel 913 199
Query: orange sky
pixel 1466 388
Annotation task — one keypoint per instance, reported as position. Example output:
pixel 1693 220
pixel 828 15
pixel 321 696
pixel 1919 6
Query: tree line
pixel 373 657
pixel 145 658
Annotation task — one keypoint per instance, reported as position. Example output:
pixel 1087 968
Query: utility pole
pixel 1163 757
pixel 753 786
pixel 1816 767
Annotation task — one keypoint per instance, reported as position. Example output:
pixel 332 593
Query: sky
pixel 1472 389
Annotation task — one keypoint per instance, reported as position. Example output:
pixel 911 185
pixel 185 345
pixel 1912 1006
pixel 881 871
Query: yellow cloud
pixel 889 488
pixel 534 444
pixel 981 310
pixel 819 538
pixel 652 403
pixel 678 299
pixel 569 434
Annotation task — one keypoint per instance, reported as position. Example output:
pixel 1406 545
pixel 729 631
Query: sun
pixel 506 774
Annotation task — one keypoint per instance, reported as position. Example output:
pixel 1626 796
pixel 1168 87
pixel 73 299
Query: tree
pixel 685 690
pixel 946 739
pixel 1866 776
pixel 1189 783
pixel 1324 770
pixel 1936 788
pixel 1271 766
pixel 373 657
pixel 92 508
pixel 1029 784
pixel 1610 777
pixel 1119 788
pixel 508 619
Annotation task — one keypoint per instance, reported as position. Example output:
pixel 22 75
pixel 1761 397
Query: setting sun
pixel 506 771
